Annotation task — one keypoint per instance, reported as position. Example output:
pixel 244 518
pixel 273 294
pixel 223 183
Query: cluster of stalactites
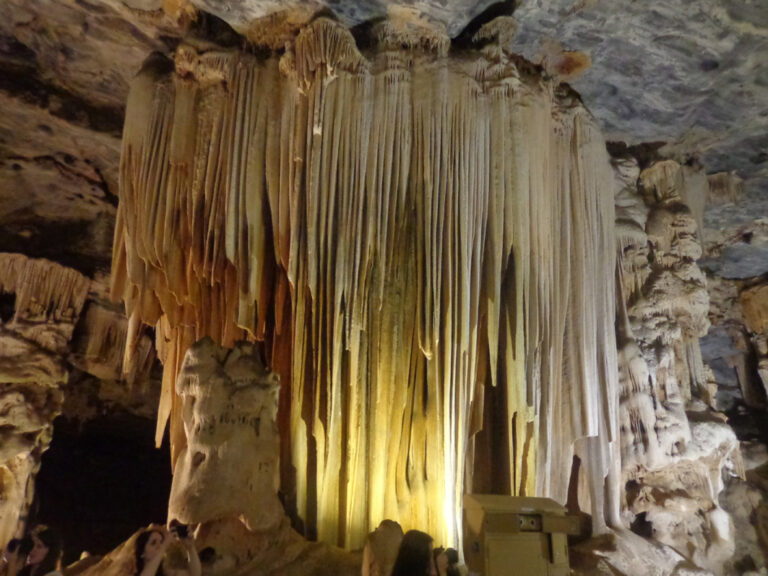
pixel 44 291
pixel 98 347
pixel 402 233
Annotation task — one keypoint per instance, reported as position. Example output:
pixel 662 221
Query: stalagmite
pixel 675 451
pixel 229 419
pixel 402 229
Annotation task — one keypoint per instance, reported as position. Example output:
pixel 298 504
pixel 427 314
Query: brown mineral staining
pixel 725 187
pixel 181 12
pixel 563 64
pixel 277 29
pixel 754 304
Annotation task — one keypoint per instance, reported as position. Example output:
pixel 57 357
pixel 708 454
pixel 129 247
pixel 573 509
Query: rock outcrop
pixel 44 335
pixel 65 68
pixel 229 466
pixel 225 485
pixel 409 232
pixel 736 349
pixel 677 451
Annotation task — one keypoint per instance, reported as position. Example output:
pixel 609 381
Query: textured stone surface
pixel 30 398
pixel 225 481
pixel 64 70
pixel 690 73
pixel 683 72
pixel 624 553
pixel 229 467
pixel 452 15
pixel 237 552
pixel 42 336
pixel 675 449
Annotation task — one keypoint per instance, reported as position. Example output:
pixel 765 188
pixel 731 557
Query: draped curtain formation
pixel 410 233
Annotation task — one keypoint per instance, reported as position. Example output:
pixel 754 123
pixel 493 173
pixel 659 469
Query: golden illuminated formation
pixel 424 242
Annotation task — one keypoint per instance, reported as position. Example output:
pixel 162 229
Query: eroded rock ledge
pixel 51 324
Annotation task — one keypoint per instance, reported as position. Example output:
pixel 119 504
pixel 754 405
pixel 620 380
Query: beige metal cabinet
pixel 513 536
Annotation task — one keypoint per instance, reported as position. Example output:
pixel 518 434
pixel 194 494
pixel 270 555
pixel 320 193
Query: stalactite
pixel 98 347
pixel 407 223
pixel 724 187
pixel 45 291
pixel 48 299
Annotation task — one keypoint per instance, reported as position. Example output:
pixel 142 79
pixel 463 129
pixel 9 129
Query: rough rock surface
pixel 45 337
pixel 30 397
pixel 737 350
pixel 690 73
pixel 676 450
pixel 625 553
pixel 230 405
pixel 229 467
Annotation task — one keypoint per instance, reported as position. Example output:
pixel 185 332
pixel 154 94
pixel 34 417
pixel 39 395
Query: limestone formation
pixel 229 466
pixel 225 485
pixel 625 553
pixel 42 330
pixel 98 346
pixel 724 187
pixel 417 236
pixel 381 548
pixel 234 551
pixel 676 451
pixel 665 74
pixel 404 230
pixel 736 349
pixel 736 262
pixel 30 398
pixel 47 299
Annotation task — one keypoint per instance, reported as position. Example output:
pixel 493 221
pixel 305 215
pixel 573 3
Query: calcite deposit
pixel 404 230
pixel 225 484
pixel 229 466
pixel 30 398
pixel 42 330
pixel 677 452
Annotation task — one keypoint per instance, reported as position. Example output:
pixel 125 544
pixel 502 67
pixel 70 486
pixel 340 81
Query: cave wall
pixel 52 332
pixel 735 348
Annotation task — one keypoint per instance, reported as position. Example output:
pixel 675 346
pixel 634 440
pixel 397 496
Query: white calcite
pixel 229 466
pixel 676 451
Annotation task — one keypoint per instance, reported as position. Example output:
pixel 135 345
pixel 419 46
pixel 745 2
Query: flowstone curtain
pixel 401 229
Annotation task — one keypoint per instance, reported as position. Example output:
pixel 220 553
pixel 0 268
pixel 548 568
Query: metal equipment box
pixel 516 536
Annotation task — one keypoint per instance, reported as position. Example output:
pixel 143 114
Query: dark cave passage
pixel 100 481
